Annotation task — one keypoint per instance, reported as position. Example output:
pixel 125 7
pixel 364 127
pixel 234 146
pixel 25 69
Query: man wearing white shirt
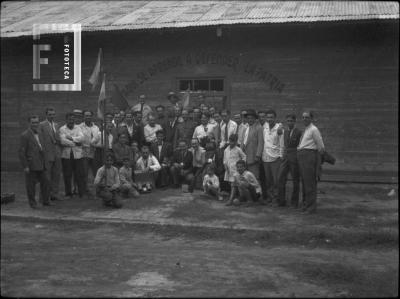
pixel 91 135
pixel 272 154
pixel 143 108
pixel 241 129
pixel 310 146
pixel 228 127
pixel 147 169
pixel 204 131
pixel 71 137
pixel 150 130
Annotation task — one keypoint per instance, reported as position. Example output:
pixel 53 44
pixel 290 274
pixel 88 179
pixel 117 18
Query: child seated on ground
pixel 128 186
pixel 245 185
pixel 211 183
pixel 107 183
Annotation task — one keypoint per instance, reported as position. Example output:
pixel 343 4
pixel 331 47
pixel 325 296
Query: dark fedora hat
pixel 251 112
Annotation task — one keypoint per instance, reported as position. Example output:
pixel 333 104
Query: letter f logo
pixel 37 61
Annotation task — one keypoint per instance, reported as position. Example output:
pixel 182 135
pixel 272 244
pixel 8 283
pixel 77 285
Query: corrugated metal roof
pixel 17 18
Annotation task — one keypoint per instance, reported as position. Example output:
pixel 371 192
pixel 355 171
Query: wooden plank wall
pixel 346 72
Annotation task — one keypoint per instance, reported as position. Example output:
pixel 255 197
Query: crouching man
pixel 245 186
pixel 107 183
pixel 128 186
pixel 146 170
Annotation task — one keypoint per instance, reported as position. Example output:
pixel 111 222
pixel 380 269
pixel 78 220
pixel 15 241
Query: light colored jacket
pixel 153 164
pixel 68 145
pixel 254 143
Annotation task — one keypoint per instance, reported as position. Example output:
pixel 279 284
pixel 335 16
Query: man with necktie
pixel 163 152
pixel 227 127
pixel 253 142
pixel 289 164
pixel 52 152
pixel 143 108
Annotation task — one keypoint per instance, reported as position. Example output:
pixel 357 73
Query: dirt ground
pixel 50 259
pixel 171 244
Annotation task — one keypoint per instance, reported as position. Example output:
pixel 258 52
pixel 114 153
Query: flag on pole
pixel 118 99
pixel 185 99
pixel 102 98
pixel 95 77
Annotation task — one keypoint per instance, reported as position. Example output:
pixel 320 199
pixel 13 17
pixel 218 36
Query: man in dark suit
pixel 162 118
pixel 163 152
pixel 173 124
pixel 32 158
pixel 182 164
pixel 48 129
pixel 184 130
pixel 138 129
pixel 291 137
pixel 252 144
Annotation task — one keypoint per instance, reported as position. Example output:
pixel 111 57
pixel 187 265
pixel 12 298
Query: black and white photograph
pixel 199 149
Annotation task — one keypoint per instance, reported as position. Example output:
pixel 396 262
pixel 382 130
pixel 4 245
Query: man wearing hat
pixel 253 142
pixel 143 108
pixel 78 116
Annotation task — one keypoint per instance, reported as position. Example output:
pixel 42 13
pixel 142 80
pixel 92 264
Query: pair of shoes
pixel 33 204
pixel 47 203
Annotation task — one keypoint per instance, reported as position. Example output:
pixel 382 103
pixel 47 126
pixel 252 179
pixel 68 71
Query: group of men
pixel 170 148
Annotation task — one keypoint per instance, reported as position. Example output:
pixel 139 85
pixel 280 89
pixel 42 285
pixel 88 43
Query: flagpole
pixel 104 122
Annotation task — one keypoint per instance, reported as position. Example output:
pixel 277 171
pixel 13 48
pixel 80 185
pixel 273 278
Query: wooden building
pixel 339 59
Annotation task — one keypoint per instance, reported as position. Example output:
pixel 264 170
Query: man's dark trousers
pixel 74 166
pixel 308 171
pixel 31 178
pixel 289 165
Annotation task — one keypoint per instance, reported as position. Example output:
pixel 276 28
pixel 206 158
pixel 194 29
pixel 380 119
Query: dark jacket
pixel 187 159
pixel 291 142
pixel 171 128
pixel 137 133
pixel 185 131
pixel 166 151
pixel 30 153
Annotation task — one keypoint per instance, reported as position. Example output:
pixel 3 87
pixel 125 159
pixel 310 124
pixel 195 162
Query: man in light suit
pixel 143 108
pixel 32 158
pixel 253 143
pixel 52 152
